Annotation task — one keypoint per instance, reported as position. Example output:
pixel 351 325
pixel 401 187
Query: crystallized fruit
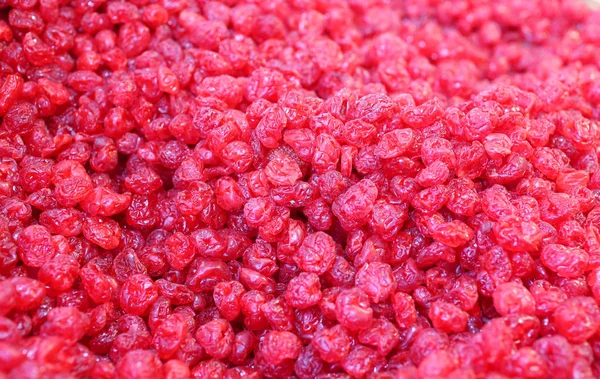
pixel 310 189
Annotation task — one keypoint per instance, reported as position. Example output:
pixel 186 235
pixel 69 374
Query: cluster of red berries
pixel 311 189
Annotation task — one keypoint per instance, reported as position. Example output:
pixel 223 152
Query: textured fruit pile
pixel 310 189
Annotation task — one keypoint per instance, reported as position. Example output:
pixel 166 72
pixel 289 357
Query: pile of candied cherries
pixel 311 189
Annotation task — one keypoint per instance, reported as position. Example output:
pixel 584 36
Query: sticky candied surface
pixel 307 189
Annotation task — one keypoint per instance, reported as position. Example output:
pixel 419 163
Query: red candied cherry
pixel 304 291
pixel 279 314
pixel 333 344
pixel 209 243
pixel 243 372
pixel 137 294
pixel 279 346
pixel 254 280
pixel 353 310
pixel 216 338
pixel 524 329
pixel 434 253
pixel 382 334
pixel 14 360
pixel 99 286
pixel 549 161
pixel 309 364
pixel 251 303
pixel 326 153
pixel 258 211
pixel 515 234
pixel 526 363
pixel 426 342
pixel 13 84
pixel 8 298
pixel 60 272
pixel 102 231
pixel 463 293
pixel 353 206
pixel 261 257
pixel 258 184
pixel 454 233
pixel 244 343
pixel 318 214
pixel 142 180
pixel 499 339
pixel 376 280
pixel 167 80
pixel 283 370
pixel 327 303
pixel 204 274
pixel 360 361
pixel 103 369
pixel 316 254
pixel 558 207
pixel 496 204
pixel 209 368
pixel 68 323
pixel 176 369
pixel 577 319
pixel 189 171
pixel 558 354
pixel 408 276
pixel 395 143
pixel 228 194
pixel 566 181
pixel 223 87
pixel 104 156
pixel 386 219
pixel 194 199
pixel 180 251
pixel 404 309
pixel 437 149
pixel 35 246
pixel 67 222
pixel 463 199
pixel 138 364
pixel 342 273
pixel 439 364
pixel 568 262
pixel 11 331
pixel 431 199
pixel 29 293
pixel 497 145
pixel 238 156
pixel 436 173
pixel 105 202
pixel 547 297
pixel 282 170
pixel 227 297
pixel 20 117
pixel 571 233
pixel 35 173
pixel 169 335
pixel 358 133
pixel 593 280
pixel 513 298
pixel 71 181
pixel 270 128
pixel 448 317
pixel 301 141
pixel 178 294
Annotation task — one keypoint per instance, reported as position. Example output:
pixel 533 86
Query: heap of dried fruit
pixel 311 189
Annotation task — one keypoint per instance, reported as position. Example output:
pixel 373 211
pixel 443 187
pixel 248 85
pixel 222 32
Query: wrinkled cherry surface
pixel 308 189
